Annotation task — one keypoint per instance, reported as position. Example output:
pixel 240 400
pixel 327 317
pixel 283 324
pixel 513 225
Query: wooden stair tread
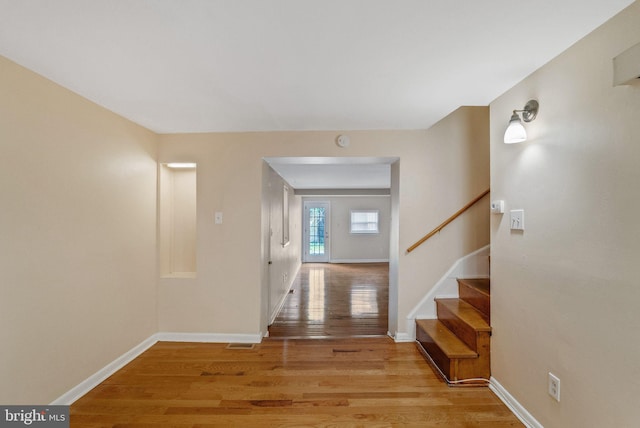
pixel 448 342
pixel 466 313
pixel 482 285
pixel 476 292
pixel 458 342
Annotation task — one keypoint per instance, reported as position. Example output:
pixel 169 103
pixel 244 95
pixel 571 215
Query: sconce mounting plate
pixel 530 110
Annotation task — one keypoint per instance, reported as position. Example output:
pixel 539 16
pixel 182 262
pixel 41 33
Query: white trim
pixel 401 337
pixel 473 265
pixel 518 409
pixel 359 261
pixel 364 231
pixel 440 288
pixel 209 337
pixel 94 380
pixel 275 313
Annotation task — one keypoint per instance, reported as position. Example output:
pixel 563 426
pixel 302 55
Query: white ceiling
pixel 267 65
pixel 263 65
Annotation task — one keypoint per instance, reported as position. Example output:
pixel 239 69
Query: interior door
pixel 316 239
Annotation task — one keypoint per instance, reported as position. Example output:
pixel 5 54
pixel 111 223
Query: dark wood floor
pixel 336 300
pixel 356 382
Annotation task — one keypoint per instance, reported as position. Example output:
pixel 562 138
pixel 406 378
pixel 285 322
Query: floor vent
pixel 246 346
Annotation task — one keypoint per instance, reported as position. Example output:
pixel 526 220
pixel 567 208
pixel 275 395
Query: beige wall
pixel 438 179
pixel 439 171
pixel 78 252
pixel 565 293
pixel 77 237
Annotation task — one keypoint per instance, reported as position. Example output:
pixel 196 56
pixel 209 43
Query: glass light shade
pixel 515 132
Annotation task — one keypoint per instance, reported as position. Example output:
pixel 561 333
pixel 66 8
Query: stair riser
pixel 455 368
pixel 458 342
pixel 475 298
pixel 466 333
pixel 482 365
pixel 436 354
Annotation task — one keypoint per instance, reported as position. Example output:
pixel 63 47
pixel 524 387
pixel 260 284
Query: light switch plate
pixel 517 219
pixel 554 386
pixel 218 217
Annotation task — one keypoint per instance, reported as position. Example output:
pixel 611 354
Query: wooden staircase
pixel 457 343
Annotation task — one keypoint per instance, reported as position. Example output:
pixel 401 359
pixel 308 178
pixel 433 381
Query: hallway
pixel 336 300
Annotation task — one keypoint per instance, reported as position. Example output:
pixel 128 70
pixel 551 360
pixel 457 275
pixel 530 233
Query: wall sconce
pixel 515 132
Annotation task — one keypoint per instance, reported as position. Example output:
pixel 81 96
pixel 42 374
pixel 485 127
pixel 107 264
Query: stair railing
pixel 447 221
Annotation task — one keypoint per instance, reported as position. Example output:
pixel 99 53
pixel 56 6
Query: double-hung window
pixel 364 221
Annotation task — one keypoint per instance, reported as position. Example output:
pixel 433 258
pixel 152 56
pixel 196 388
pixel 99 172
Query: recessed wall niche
pixel 177 220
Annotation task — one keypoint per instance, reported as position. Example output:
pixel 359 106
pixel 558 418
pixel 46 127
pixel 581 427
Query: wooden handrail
pixel 447 221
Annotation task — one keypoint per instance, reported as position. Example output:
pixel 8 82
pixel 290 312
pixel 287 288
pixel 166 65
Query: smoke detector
pixel 342 141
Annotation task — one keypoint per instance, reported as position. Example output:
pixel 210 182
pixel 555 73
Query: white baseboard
pixel 339 261
pixel 283 299
pixel 470 266
pixel 401 337
pixel 521 413
pixel 275 313
pixel 94 380
pixel 209 337
pixel 473 265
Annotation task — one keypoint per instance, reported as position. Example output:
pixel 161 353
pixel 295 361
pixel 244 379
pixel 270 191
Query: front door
pixel 316 239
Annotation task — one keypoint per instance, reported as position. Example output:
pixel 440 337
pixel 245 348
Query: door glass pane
pixel 316 231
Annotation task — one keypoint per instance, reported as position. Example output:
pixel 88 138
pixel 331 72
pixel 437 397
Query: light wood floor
pixel 336 300
pixel 365 382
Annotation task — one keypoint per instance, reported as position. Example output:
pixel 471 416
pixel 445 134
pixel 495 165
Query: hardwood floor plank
pixel 338 300
pixel 286 383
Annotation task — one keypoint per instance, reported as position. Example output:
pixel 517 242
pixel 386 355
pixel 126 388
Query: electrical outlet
pixel 554 386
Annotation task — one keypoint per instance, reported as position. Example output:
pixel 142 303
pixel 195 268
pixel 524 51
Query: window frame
pixel 364 231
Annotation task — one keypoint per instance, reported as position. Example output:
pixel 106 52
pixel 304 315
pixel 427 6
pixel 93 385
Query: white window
pixel 364 221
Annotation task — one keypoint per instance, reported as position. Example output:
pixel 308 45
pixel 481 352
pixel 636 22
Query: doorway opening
pixel 343 281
